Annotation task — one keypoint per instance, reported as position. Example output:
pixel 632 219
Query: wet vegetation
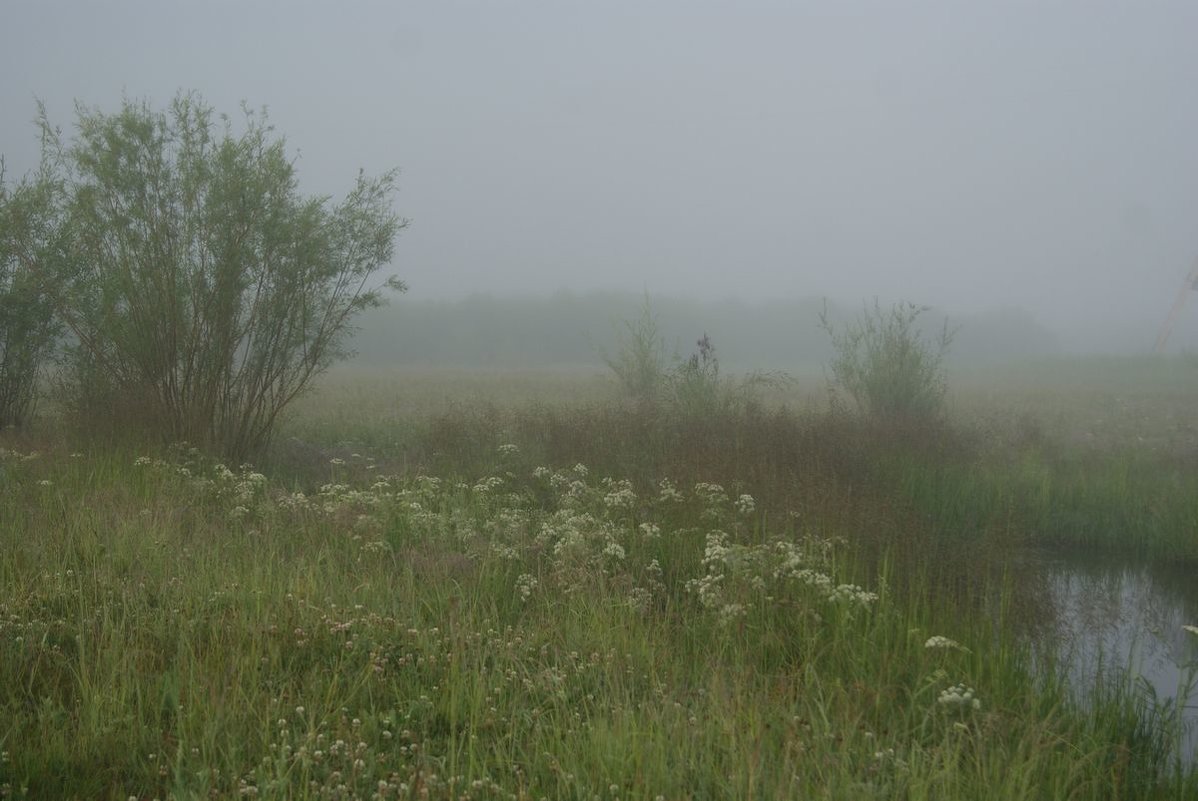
pixel 667 581
pixel 526 586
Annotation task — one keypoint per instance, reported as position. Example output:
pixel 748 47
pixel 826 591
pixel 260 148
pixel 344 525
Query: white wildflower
pixel 525 584
pixel 711 494
pixel 668 492
pixel 613 549
pixel 729 613
pixel 640 598
pixel 488 484
pixel 745 504
pixel 715 548
pixel 944 643
pixel 851 593
pixel 620 495
pixel 960 696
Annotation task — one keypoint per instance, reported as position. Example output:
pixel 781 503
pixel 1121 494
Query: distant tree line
pixel 577 329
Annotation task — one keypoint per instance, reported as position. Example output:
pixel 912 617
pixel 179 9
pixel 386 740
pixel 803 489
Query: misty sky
pixel 969 155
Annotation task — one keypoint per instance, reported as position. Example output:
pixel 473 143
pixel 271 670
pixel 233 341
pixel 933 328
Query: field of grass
pixel 471 586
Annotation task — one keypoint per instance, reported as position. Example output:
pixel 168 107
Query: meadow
pixel 474 585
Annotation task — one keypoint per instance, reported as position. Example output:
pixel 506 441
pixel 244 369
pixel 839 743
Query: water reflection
pixel 1111 616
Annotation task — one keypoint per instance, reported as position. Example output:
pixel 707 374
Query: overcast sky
pixel 965 154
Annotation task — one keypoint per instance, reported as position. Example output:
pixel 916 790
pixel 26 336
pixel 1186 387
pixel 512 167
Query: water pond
pixel 1111 616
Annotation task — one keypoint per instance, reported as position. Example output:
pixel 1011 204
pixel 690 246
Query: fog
pixel 979 158
pixel 569 330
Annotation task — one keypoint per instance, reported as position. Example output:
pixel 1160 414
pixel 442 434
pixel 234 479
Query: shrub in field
pixel 690 387
pixel 27 326
pixel 198 281
pixel 886 365
pixel 695 387
pixel 639 362
pixel 697 390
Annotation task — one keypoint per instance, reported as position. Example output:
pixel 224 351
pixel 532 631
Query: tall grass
pixel 171 628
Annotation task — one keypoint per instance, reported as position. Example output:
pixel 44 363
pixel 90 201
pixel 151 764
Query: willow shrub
pixel 202 288
pixel 640 360
pixel 28 330
pixel 887 366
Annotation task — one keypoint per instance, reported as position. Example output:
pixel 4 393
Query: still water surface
pixel 1112 616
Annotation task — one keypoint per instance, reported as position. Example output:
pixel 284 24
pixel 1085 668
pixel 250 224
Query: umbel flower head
pixel 945 643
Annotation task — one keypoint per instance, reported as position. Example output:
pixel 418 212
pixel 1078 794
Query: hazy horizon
pixel 973 158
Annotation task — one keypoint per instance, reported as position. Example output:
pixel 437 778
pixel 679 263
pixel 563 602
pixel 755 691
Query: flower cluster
pixel 944 643
pixel 959 696
pixel 739 577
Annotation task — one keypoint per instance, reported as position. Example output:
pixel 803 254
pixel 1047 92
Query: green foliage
pixel 202 287
pixel 28 219
pixel 886 365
